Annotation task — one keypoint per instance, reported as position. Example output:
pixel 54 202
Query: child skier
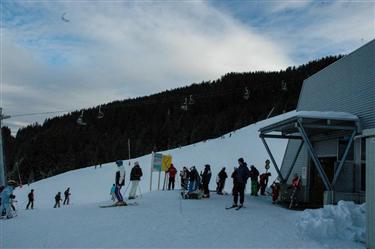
pixel 66 196
pixel 275 191
pixel 30 196
pixel 120 181
pixel 57 200
pixel 135 177
pixel 112 193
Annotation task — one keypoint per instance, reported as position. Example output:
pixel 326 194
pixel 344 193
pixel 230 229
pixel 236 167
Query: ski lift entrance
pixel 80 120
pixel 246 94
pixel 100 113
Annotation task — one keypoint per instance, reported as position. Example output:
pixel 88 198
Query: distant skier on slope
pixel 222 176
pixel 240 176
pixel 172 175
pixel 30 196
pixel 206 177
pixel 120 181
pixel 57 200
pixel 135 177
pixel 254 173
pixel 66 196
pixel 6 196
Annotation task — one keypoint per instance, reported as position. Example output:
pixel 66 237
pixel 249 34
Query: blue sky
pixel 112 50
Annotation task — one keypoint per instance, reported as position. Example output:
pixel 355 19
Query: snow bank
pixel 345 220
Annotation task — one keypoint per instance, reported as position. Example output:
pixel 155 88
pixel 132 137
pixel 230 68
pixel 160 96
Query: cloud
pixel 116 50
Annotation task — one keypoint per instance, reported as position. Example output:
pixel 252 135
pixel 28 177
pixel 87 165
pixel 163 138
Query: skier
pixel 206 177
pixel 275 191
pixel 263 181
pixel 172 174
pixel 66 196
pixel 57 200
pixel 184 174
pixel 6 197
pixel 296 186
pixel 112 193
pixel 135 177
pixel 193 179
pixel 254 173
pixel 240 176
pixel 30 196
pixel 120 181
pixel 222 176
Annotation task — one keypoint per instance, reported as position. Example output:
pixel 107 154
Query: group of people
pixel 135 177
pixel 196 184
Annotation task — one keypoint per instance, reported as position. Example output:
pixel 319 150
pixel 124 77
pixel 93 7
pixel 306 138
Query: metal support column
pixel 272 159
pixel 294 161
pixel 314 157
pixel 343 158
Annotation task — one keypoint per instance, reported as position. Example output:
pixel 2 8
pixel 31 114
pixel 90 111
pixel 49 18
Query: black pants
pixel 31 202
pixel 171 183
pixel 239 188
pixel 66 200
pixel 221 186
pixel 206 191
pixel 57 204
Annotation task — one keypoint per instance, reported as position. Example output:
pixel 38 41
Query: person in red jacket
pixel 172 174
pixel 275 191
pixel 263 181
pixel 296 186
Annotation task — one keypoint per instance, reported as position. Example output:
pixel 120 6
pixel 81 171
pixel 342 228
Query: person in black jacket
pixel 222 177
pixel 240 176
pixel 135 177
pixel 66 196
pixel 194 179
pixel 254 173
pixel 30 196
pixel 57 200
pixel 206 177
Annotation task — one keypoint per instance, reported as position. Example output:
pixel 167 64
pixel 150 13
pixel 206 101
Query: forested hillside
pixel 156 122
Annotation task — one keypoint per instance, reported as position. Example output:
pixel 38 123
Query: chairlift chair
pixel 100 113
pixel 284 87
pixel 80 120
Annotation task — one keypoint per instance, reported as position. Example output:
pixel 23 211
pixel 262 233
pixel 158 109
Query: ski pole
pixel 140 192
pixel 127 187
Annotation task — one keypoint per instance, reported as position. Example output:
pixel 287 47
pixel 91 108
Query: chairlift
pixel 191 100
pixel 100 113
pixel 80 120
pixel 246 94
pixel 284 87
pixel 184 106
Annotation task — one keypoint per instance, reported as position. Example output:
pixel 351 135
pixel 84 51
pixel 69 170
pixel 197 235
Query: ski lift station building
pixel 331 135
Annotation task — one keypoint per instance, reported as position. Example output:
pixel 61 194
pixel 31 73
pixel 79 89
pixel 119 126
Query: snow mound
pixel 346 220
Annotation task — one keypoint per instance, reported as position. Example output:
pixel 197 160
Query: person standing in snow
pixel 206 177
pixel 296 186
pixel 135 177
pixel 275 191
pixel 6 197
pixel 57 200
pixel 112 193
pixel 193 179
pixel 119 181
pixel 184 174
pixel 172 175
pixel 240 176
pixel 222 176
pixel 263 181
pixel 254 173
pixel 66 196
pixel 30 196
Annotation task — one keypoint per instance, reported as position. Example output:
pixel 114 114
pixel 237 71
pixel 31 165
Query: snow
pixel 162 219
pixel 346 221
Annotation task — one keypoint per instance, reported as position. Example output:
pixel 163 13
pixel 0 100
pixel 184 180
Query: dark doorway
pixel 316 182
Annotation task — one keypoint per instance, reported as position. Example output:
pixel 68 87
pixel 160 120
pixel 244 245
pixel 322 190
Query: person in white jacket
pixel 120 181
pixel 135 177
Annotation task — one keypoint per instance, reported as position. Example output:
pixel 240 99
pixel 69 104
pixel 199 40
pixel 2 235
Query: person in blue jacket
pixel 6 196
pixel 112 193
pixel 240 176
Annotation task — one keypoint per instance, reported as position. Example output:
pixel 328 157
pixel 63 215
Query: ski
pixel 230 207
pixel 122 205
pixel 239 207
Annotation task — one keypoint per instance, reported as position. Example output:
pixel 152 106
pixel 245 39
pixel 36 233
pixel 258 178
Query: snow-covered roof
pixel 315 115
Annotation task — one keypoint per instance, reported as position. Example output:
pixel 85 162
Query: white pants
pixel 133 189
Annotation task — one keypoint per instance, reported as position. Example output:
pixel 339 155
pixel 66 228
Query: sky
pixel 68 55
